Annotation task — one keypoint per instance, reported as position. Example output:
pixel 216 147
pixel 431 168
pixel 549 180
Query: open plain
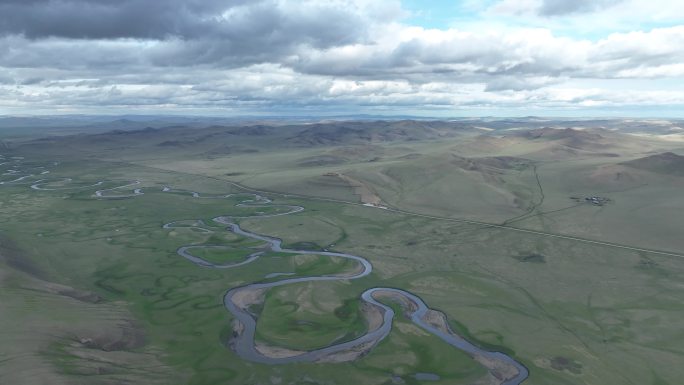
pixel 129 256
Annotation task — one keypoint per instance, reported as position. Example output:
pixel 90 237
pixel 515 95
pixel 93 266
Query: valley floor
pixel 504 244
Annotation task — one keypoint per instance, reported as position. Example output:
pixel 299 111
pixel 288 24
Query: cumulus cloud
pixel 318 23
pixel 99 19
pixel 237 55
pixel 191 31
pixel 425 55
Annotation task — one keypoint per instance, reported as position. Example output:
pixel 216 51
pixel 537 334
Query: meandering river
pixel 507 370
pixel 237 300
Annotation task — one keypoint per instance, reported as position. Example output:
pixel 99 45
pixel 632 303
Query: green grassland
pixel 222 256
pixel 307 316
pixel 93 291
pixel 126 257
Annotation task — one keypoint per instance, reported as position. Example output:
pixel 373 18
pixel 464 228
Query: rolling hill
pixel 667 163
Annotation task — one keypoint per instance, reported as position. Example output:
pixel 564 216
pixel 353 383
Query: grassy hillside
pixel 667 163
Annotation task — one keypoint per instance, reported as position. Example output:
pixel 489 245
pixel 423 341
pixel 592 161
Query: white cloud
pixel 423 55
pixel 348 53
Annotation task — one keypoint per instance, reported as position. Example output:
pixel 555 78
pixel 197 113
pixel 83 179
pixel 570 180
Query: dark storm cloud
pixel 170 33
pixel 97 19
pixel 241 23
pixel 564 7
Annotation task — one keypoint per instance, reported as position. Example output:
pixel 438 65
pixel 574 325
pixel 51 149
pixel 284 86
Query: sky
pixel 442 58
